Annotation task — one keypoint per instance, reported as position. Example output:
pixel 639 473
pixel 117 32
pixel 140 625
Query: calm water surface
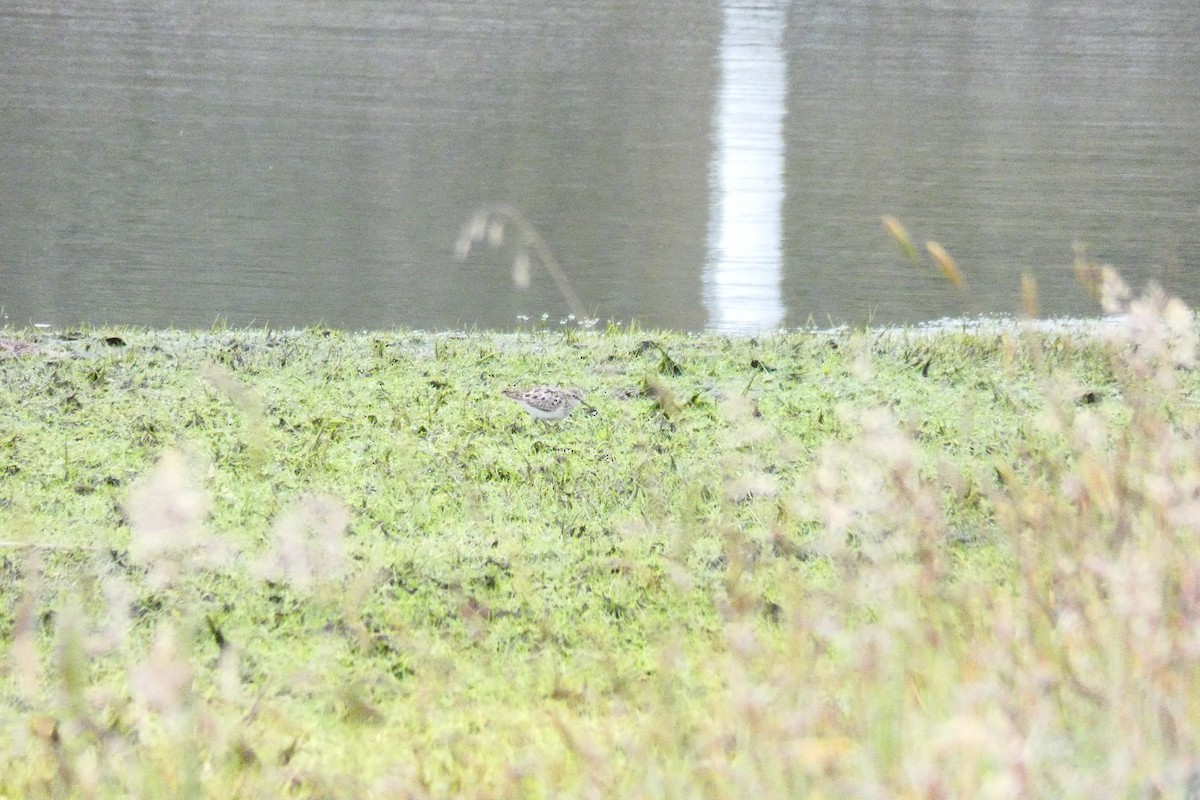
pixel 691 165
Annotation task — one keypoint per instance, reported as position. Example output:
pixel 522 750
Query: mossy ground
pixel 253 563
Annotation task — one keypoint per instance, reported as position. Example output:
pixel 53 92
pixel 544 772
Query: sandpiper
pixel 547 403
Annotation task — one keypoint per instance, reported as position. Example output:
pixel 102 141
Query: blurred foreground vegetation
pixel 865 564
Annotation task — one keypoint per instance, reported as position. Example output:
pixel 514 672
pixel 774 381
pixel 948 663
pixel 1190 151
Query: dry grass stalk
pixel 489 225
pixel 168 514
pixel 902 238
pixel 945 263
pixel 309 546
pixel 1029 295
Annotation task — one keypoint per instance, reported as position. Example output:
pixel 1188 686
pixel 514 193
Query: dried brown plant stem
pixel 902 238
pixel 945 263
pixel 489 224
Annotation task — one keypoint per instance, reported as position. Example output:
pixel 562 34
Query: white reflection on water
pixel 742 279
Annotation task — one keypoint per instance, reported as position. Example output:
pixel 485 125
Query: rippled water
pixel 689 165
